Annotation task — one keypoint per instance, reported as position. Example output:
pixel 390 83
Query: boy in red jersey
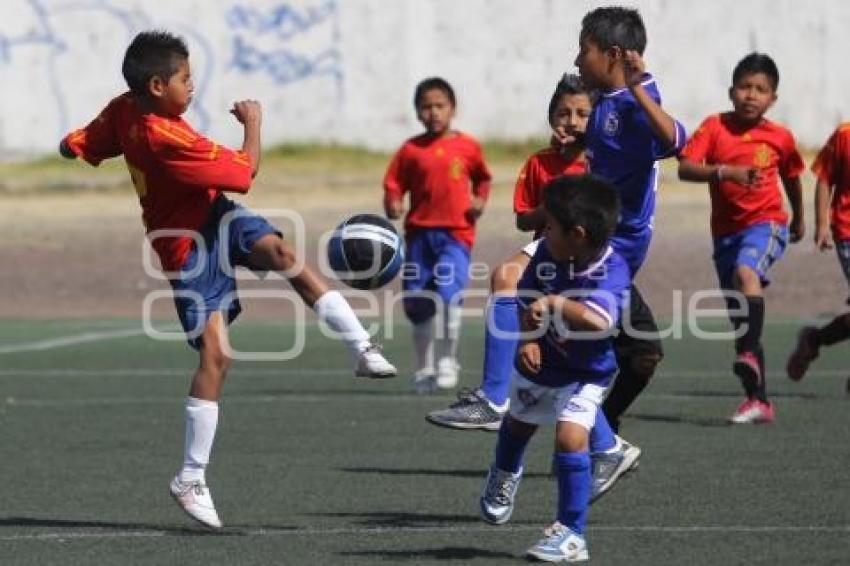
pixel 832 214
pixel 742 156
pixel 448 181
pixel 199 234
pixel 569 109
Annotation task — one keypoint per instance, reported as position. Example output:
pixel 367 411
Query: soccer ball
pixel 365 251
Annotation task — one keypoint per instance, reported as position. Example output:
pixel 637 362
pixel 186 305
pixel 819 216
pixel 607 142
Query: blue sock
pixel 499 351
pixel 573 489
pixel 601 435
pixel 509 450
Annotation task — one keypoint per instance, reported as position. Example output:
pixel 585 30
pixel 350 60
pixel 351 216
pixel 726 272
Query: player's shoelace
pixel 500 491
pixel 465 397
pixel 195 486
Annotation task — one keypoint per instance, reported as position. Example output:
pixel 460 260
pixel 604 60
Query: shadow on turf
pixel 404 520
pixel 446 553
pixel 33 522
pixel 678 419
pixel 737 395
pixel 480 474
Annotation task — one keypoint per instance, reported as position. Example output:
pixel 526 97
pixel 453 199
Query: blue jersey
pixel 622 148
pixel 603 287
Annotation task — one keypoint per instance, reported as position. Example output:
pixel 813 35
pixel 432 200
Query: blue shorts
pixel 435 262
pixel 757 247
pixel 205 284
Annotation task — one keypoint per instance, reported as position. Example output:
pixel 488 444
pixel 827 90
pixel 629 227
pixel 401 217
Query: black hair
pixel 154 53
pixel 615 25
pixel 433 83
pixel 756 63
pixel 569 84
pixel 585 200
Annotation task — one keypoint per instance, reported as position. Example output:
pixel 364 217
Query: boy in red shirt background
pixel 743 156
pixel 200 235
pixel 832 218
pixel 448 181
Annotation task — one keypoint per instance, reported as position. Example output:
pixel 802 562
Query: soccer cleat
pixel 447 373
pixel 195 499
pixel 497 501
pixel 471 411
pixel 804 353
pixel 753 411
pixel 424 382
pixel 559 544
pixel 607 467
pixel 372 363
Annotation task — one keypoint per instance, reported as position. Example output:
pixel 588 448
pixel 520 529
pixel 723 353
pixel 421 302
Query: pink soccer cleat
pixel 753 411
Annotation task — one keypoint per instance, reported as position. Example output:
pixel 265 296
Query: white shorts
pixel 531 249
pixel 540 405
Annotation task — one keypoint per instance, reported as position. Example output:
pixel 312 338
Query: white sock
pixel 334 310
pixel 423 343
pixel 449 332
pixel 201 422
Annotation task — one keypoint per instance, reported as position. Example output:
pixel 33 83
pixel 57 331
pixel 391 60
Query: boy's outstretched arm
pixel 822 200
pixel 665 128
pixel 794 191
pixel 704 173
pixel 250 114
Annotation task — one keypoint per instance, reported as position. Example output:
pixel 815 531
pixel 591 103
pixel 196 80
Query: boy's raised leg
pixel 271 253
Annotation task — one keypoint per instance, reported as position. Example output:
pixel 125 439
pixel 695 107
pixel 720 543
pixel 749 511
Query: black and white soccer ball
pixel 365 251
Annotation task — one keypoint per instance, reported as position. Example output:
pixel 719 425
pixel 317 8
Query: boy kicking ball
pixel 181 177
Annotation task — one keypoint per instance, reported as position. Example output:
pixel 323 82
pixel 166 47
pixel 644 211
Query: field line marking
pixel 71 340
pixel 342 371
pixel 315 397
pixel 365 531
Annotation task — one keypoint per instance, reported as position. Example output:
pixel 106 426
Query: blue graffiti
pixel 262 42
pixel 47 35
pixel 283 65
pixel 284 20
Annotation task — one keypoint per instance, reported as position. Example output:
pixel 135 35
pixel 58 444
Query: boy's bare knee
pixel 283 256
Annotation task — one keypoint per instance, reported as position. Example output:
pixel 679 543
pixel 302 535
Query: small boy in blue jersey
pixel 571 296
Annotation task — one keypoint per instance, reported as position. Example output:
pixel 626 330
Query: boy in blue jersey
pixel 571 296
pixel 628 132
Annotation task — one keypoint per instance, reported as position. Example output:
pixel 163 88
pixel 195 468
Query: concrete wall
pixel 344 70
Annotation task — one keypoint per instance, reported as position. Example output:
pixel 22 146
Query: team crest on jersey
pixel 611 125
pixel 456 169
pixel 762 156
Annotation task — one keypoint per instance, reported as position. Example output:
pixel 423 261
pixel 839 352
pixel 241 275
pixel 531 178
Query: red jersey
pixel 177 172
pixel 832 166
pixel 539 169
pixel 768 146
pixel 441 175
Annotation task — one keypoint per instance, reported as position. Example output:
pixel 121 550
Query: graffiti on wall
pixel 266 42
pixel 281 42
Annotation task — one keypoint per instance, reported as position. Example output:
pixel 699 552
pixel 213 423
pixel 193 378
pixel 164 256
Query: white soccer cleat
pixel 447 373
pixel 371 363
pixel 559 544
pixel 195 499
